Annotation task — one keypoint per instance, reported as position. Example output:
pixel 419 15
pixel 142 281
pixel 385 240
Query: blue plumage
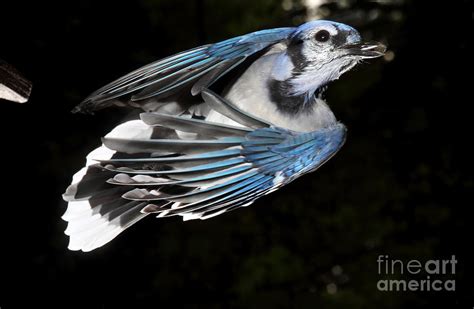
pixel 200 158
pixel 175 70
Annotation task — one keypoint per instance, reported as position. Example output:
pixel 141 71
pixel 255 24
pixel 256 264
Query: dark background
pixel 401 186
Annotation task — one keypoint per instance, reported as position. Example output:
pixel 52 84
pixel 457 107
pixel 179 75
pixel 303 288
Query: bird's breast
pixel 252 94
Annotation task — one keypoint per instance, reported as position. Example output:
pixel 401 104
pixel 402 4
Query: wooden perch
pixel 13 86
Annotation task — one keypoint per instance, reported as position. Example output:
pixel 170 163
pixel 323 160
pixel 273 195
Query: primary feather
pixel 199 66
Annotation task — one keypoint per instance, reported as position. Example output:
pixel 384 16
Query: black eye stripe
pixel 322 36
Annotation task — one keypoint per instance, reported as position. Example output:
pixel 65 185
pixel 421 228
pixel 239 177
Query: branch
pixel 13 86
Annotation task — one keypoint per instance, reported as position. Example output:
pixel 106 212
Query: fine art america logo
pixel 416 275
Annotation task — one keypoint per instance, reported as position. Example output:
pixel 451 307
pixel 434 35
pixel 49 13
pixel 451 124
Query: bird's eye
pixel 322 36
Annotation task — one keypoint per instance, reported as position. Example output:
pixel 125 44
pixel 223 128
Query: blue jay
pixel 197 154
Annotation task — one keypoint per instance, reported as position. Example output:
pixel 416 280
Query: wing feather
pixel 199 67
pixel 219 169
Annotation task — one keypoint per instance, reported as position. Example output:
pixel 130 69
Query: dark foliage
pixel 400 186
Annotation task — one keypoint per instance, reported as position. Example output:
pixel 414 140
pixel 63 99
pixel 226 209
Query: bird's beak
pixel 365 49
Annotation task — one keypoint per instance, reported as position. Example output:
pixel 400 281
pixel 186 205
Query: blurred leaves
pixel 398 186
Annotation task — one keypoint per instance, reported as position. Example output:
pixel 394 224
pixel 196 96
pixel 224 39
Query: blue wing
pixel 223 167
pixel 199 68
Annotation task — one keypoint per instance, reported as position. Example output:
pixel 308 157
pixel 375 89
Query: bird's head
pixel 320 51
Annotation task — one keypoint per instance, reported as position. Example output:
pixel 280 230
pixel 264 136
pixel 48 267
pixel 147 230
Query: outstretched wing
pixel 220 168
pixel 199 67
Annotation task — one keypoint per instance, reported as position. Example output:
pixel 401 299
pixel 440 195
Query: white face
pixel 322 51
pixel 319 74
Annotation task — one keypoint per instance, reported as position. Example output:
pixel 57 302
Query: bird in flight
pixel 196 152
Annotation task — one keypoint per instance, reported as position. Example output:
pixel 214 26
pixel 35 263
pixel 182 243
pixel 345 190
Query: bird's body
pixel 200 158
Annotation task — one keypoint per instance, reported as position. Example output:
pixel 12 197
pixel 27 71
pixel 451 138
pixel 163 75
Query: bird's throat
pixel 287 101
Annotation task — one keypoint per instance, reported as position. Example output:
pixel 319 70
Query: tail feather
pixel 96 212
pixel 93 231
